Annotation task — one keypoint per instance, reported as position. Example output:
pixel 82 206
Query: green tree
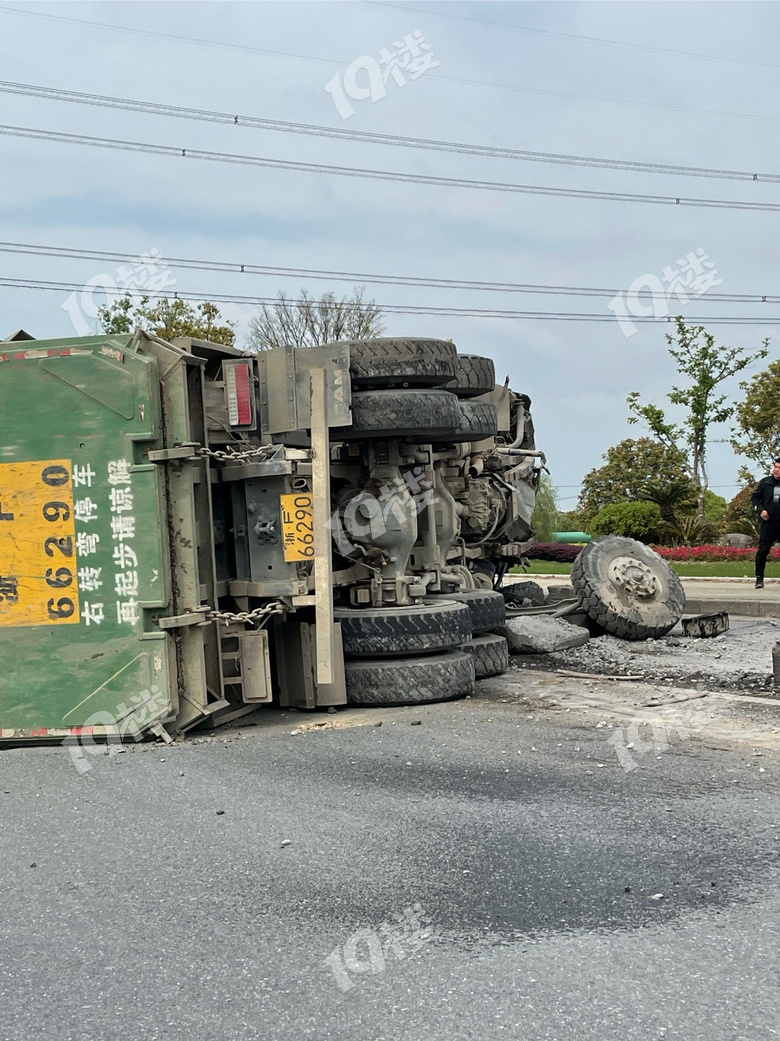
pixel 671 497
pixel 572 520
pixel 168 319
pixel 307 322
pixel 714 507
pixel 705 366
pixel 545 515
pixel 757 434
pixel 629 467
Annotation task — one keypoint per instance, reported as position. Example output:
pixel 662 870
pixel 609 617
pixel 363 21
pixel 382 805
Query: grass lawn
pixel 711 569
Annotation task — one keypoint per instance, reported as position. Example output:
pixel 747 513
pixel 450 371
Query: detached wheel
pixel 627 589
pixel 375 632
pixel 490 654
pixel 410 681
pixel 486 608
pixel 473 375
pixel 417 414
pixel 388 362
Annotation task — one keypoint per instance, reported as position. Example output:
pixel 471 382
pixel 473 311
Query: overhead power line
pixel 339 63
pixel 110 257
pixel 380 175
pixel 368 137
pixel 601 41
pixel 426 309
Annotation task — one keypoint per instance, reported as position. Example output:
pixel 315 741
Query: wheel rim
pixel 634 578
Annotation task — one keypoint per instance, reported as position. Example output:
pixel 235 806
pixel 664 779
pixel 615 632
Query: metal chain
pixel 244 616
pixel 233 456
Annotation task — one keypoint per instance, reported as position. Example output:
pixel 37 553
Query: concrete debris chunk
pixel 704 625
pixel 541 634
pixel 560 591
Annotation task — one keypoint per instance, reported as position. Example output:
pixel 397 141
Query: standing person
pixel 766 503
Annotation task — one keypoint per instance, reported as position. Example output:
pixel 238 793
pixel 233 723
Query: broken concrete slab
pixel 523 594
pixel 541 634
pixel 557 592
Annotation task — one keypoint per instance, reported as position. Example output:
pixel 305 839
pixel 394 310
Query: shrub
pixel 634 520
pixel 689 531
pixel 560 552
pixel 740 516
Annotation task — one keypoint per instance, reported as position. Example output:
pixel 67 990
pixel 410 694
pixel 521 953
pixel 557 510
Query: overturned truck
pixel 188 532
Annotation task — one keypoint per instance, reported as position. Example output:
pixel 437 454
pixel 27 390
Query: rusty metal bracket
pixel 168 455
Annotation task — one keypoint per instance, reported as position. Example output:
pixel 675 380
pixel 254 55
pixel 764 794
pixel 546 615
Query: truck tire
pixel 418 414
pixel 487 609
pixel 627 589
pixel 410 681
pixel 377 632
pixel 473 375
pixel 478 420
pixel 490 654
pixel 386 362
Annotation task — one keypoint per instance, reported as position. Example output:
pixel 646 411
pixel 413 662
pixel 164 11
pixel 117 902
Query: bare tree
pixel 306 322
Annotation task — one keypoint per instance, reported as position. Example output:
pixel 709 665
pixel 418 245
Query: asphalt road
pixel 133 909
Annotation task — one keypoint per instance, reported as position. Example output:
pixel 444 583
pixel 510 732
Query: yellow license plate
pixel 298 526
pixel 38 576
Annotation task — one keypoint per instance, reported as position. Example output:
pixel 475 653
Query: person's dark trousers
pixel 770 533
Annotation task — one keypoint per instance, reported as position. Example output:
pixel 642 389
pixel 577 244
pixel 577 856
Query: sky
pixel 684 84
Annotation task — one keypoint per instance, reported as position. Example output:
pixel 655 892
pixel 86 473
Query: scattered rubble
pixel 738 660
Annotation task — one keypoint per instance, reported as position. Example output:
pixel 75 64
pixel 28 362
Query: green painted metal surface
pixel 84 568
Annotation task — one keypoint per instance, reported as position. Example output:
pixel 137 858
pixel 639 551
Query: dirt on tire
pixel 374 632
pixel 490 654
pixel 410 681
pixel 389 362
pixel 414 414
pixel 626 589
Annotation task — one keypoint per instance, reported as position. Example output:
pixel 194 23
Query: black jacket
pixel 767 497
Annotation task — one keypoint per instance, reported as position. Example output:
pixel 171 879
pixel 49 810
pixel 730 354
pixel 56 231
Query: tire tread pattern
pixel 584 582
pixel 418 414
pixel 410 682
pixel 473 375
pixel 490 654
pixel 487 608
pixel 396 362
pixel 418 629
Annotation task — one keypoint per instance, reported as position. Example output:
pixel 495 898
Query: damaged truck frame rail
pixel 188 532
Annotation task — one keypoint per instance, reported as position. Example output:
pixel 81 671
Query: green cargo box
pixel 88 518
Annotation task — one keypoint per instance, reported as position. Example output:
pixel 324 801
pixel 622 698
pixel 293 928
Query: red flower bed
pixel 709 553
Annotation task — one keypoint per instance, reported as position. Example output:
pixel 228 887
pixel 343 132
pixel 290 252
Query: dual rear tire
pixel 406 655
